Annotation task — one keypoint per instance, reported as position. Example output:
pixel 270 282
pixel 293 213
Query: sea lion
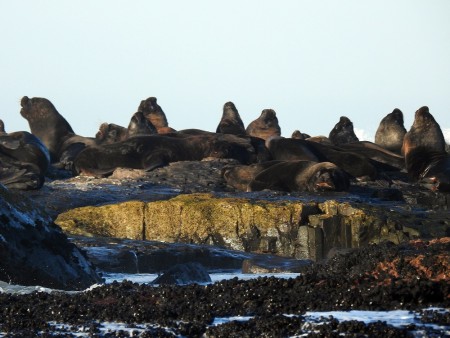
pixel 139 125
pixel 391 131
pixel 150 152
pixel 424 151
pixel 24 160
pixel 53 130
pixel 299 135
pixel 2 127
pixel 288 176
pixel 384 159
pixel 343 132
pixel 154 113
pixel 231 122
pixel 288 149
pixel 110 133
pixel 265 125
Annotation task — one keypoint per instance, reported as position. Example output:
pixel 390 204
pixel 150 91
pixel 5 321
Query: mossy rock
pixel 284 227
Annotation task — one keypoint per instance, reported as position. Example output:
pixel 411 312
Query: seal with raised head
pixel 391 131
pixel 52 129
pixel 24 160
pixel 265 125
pixel 231 122
pixel 154 113
pixel 289 176
pixel 343 132
pixel 424 150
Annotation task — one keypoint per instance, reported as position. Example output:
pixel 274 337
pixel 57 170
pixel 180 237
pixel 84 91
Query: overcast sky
pixel 310 61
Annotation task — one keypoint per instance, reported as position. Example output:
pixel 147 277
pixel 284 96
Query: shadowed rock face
pixel 35 252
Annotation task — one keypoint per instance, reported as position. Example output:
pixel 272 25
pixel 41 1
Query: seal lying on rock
pixel 139 125
pixel 288 176
pixel 424 149
pixel 150 152
pixel 154 113
pixel 287 149
pixel 53 130
pixel 391 131
pixel 231 122
pixel 24 160
pixel 343 132
pixel 265 125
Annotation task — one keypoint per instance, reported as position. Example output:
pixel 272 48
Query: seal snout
pixel 24 101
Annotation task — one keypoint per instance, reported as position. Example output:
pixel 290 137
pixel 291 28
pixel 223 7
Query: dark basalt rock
pixel 34 251
pixel 186 273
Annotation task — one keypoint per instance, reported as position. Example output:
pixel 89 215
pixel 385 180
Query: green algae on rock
pixel 293 228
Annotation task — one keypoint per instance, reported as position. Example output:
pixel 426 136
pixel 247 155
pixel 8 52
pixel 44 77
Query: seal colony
pixel 305 163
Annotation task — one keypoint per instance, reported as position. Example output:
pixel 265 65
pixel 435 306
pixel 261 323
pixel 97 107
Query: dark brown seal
pixel 343 132
pixel 424 151
pixel 154 113
pixel 289 149
pixel 150 152
pixel 288 176
pixel 265 125
pixel 391 131
pixel 299 135
pixel 231 122
pixel 24 160
pixel 110 132
pixel 52 129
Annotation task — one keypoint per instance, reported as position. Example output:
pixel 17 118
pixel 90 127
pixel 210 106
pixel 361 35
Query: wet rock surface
pixel 346 282
pixel 383 276
pixel 34 251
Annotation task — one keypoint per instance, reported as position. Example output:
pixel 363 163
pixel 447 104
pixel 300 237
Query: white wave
pixel 446 132
pixel 364 135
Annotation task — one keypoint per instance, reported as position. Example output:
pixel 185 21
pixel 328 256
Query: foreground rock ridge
pixel 34 251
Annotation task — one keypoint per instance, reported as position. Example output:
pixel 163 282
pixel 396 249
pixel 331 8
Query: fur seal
pixel 391 131
pixel 150 152
pixel 288 149
pixel 154 113
pixel 343 132
pixel 424 151
pixel 52 129
pixel 24 160
pixel 231 122
pixel 289 176
pixel 265 125
pixel 297 134
pixel 109 132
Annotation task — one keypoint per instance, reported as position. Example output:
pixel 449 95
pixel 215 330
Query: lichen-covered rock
pixel 286 227
pixel 34 251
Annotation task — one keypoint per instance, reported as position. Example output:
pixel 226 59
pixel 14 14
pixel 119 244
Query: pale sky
pixel 310 61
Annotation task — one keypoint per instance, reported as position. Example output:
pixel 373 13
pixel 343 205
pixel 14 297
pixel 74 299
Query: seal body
pixel 289 176
pixel 265 126
pixel 424 151
pixel 391 131
pixel 24 160
pixel 150 152
pixel 154 113
pixel 231 122
pixel 343 132
pixel 52 129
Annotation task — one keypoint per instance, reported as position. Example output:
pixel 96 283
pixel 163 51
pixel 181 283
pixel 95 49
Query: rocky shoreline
pixel 412 275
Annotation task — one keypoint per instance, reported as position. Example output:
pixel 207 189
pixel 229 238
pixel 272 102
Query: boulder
pixel 34 251
pixel 187 273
